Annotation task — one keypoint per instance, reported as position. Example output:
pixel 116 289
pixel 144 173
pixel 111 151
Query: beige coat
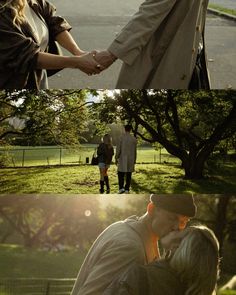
pixel 126 153
pixel 119 246
pixel 163 36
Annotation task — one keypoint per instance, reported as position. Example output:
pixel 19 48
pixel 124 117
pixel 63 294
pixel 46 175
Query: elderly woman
pixel 159 46
pixel 191 269
pixel 28 31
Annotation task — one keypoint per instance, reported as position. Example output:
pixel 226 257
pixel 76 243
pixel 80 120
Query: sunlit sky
pixel 101 93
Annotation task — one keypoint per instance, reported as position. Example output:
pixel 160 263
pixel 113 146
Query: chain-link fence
pixel 49 156
pixel 37 286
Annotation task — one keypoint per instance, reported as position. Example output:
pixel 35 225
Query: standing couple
pixel 125 258
pixel 125 158
pixel 162 46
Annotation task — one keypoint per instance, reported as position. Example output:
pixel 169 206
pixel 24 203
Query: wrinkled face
pixel 163 222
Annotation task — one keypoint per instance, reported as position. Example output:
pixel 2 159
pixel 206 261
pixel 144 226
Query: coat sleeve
pixel 114 261
pixel 56 24
pixel 18 54
pixel 118 150
pixel 133 282
pixel 136 34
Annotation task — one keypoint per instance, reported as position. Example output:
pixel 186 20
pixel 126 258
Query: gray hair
pixel 196 261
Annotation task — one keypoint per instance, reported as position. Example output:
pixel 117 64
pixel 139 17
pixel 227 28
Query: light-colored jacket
pixel 126 153
pixel 166 33
pixel 119 246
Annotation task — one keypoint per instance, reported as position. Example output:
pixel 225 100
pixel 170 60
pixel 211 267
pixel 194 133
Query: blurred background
pixel 44 238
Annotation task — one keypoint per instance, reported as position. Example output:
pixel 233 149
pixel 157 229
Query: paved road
pixel 231 4
pixel 96 22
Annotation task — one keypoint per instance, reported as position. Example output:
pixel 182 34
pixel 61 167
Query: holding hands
pixel 87 64
pixel 104 57
pixel 94 62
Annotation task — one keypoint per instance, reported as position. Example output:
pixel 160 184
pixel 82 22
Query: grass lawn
pixel 223 9
pixel 148 178
pixel 55 155
pixel 17 261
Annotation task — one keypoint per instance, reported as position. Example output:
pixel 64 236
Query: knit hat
pixel 179 204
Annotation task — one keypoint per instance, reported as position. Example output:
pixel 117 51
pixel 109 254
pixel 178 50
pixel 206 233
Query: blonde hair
pixel 107 140
pixel 17 8
pixel 196 261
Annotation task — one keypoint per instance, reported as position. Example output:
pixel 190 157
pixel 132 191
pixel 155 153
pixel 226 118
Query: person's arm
pixel 104 57
pixel 114 261
pixel 100 149
pixel 85 62
pixel 118 151
pixel 132 282
pixel 136 34
pixel 58 28
pixel 66 40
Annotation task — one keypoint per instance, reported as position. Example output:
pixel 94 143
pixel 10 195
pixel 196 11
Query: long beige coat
pixel 119 246
pixel 166 33
pixel 126 153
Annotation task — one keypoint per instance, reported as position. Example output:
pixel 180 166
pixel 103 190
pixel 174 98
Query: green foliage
pixel 46 116
pixel 189 124
pixel 5 160
pixel 51 220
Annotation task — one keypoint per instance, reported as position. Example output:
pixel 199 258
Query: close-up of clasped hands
pixel 33 34
pixel 29 30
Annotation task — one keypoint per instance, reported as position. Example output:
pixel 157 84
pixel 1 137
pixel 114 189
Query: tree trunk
pixel 193 167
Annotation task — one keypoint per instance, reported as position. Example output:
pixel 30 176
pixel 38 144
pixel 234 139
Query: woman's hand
pixel 87 64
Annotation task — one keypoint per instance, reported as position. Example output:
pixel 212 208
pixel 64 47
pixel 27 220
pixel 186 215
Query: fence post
pixel 23 158
pixel 48 288
pixel 160 155
pixel 60 155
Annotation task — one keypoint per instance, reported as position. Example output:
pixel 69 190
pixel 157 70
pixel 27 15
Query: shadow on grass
pixel 18 179
pixel 148 178
pixel 161 180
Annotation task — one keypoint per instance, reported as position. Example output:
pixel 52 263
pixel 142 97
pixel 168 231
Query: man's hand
pixel 104 58
pixel 171 241
pixel 88 64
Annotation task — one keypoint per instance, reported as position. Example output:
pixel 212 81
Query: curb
pixel 222 14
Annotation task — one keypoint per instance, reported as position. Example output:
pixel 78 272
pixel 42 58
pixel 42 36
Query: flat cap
pixel 179 204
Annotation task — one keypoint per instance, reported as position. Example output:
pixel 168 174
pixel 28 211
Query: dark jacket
pixel 156 278
pixel 19 48
pixel 105 153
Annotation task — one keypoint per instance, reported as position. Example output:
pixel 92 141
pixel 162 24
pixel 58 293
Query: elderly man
pixel 134 240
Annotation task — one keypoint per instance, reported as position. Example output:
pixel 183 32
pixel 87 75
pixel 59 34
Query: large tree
pixel 50 220
pixel 43 117
pixel 188 124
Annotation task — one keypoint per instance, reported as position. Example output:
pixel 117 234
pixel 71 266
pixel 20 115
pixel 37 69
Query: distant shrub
pixel 5 160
